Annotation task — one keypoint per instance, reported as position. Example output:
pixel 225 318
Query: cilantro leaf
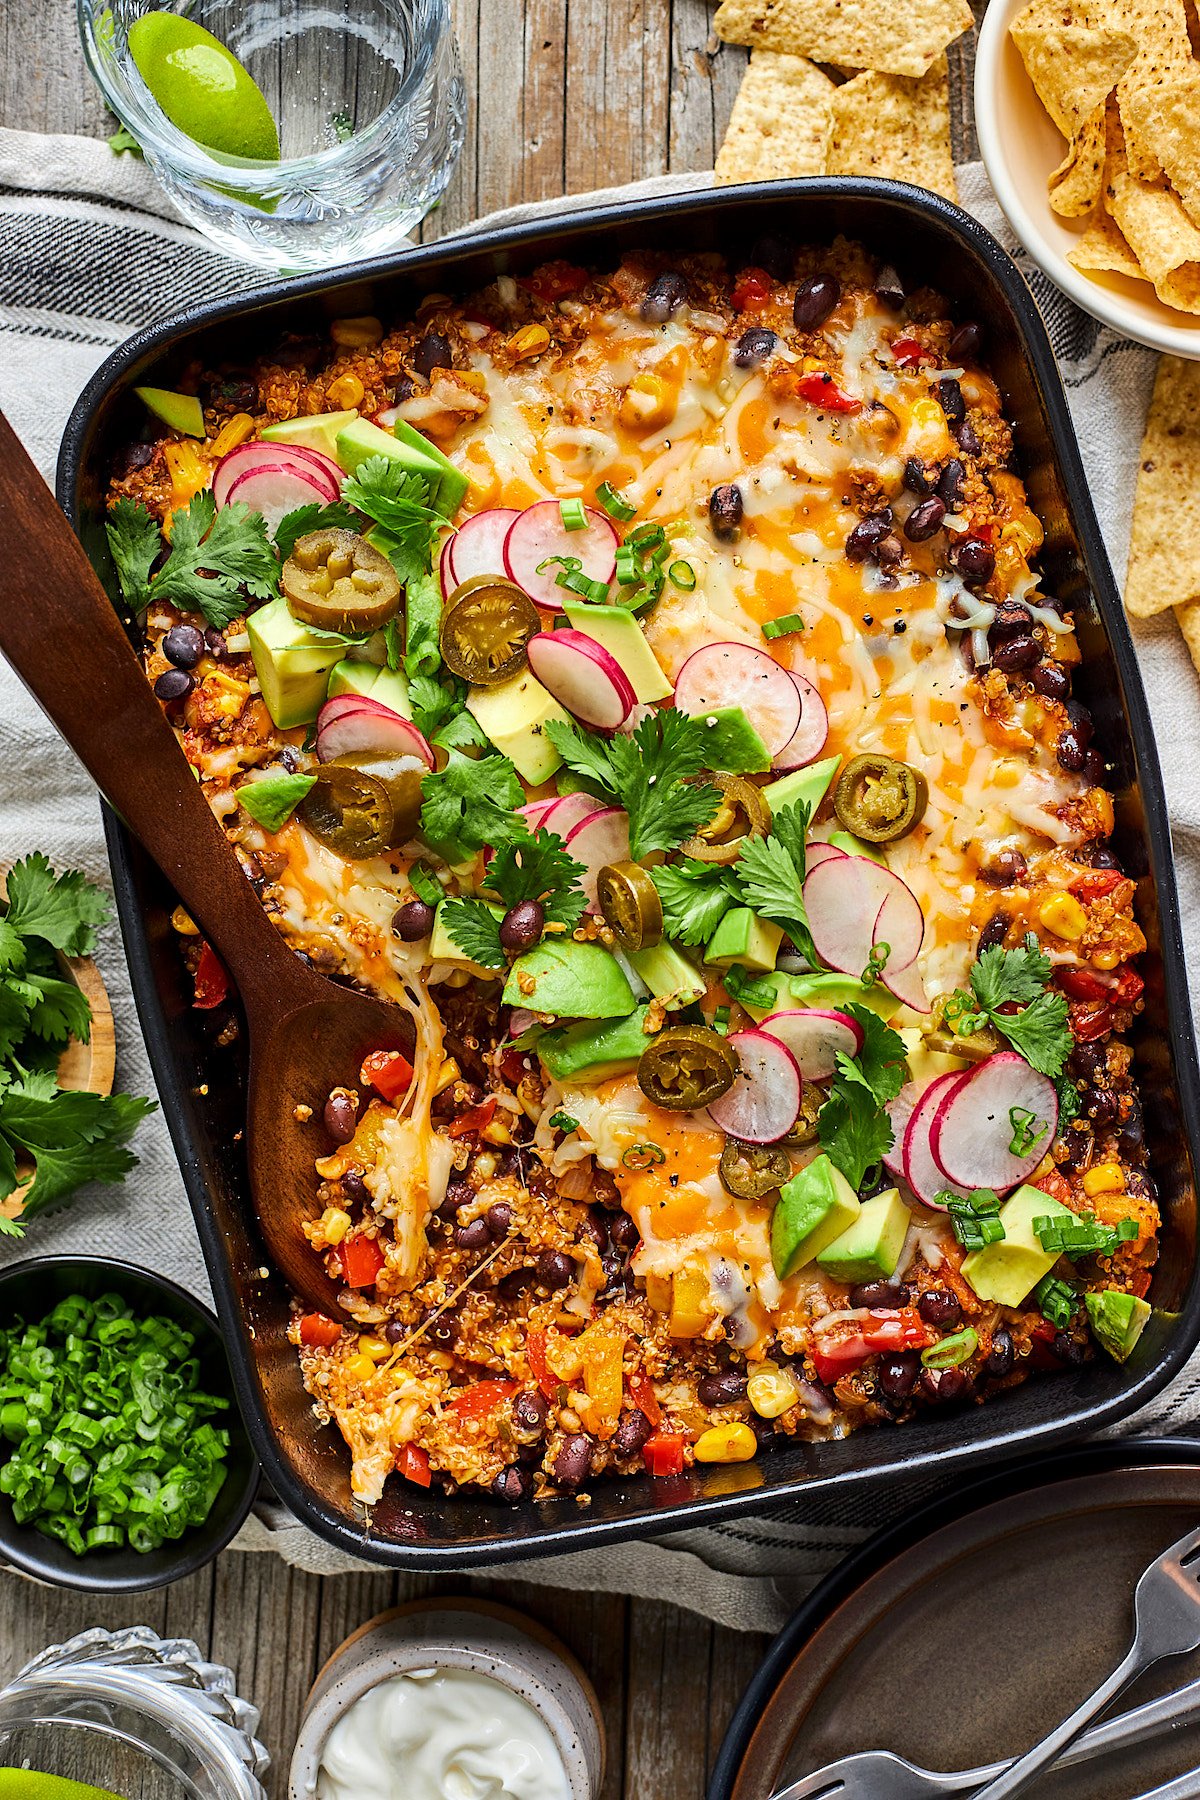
pixel 853 1126
pixel 335 515
pixel 72 1137
pixel 274 799
pixel 878 1065
pixel 475 928
pixel 396 499
pixel 63 910
pixel 585 753
pixel 422 626
pixel 58 1011
pixel 12 949
pixel 460 732
pixel 232 549
pixel 538 867
pixel 695 897
pixel 135 540
pixel 790 825
pixel 649 772
pixel 470 804
pixel 770 873
pixel 1040 1030
pixel 14 1020
pixel 1000 976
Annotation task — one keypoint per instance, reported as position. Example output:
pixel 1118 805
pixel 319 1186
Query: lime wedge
pixel 27 1784
pixel 202 87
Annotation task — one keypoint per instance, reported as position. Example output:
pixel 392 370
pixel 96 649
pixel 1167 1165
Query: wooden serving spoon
pixel 61 634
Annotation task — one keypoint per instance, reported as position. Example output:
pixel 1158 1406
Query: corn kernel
pixel 233 432
pixel 531 340
pixel 1106 959
pixel 184 923
pixel 647 401
pixel 475 379
pixel 925 414
pixel 1104 1178
pixel 771 1391
pixel 346 392
pixel 356 334
pixel 334 1224
pixel 1102 806
pixel 726 1444
pixel 359 1368
pixel 375 1348
pixel 1063 915
pixel 496 1132
pixel 448 1072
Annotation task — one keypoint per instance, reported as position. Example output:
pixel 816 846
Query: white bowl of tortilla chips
pixel 1088 114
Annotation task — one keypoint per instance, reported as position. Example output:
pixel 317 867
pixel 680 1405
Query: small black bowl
pixel 30 1290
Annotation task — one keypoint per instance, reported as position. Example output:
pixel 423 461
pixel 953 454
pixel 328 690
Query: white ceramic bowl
pixel 1020 146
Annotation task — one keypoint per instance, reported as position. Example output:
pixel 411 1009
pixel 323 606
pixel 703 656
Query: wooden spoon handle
pixel 60 632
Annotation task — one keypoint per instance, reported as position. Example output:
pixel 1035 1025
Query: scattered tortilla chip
pixel 1161 236
pixel 1189 624
pixel 893 37
pixel 780 122
pixel 900 129
pixel 1164 545
pixel 1102 249
pixel 1160 27
pixel 1165 116
pixel 1073 68
pixel 1075 185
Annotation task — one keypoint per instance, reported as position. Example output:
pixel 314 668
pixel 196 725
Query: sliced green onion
pixel 646 536
pixel 1027 1130
pixel 1056 1300
pixel 576 582
pixel 974 1217
pixel 614 503
pixel 721 1019
pixel 951 1351
pixel 1082 1235
pixel 683 575
pixel 777 628
pixel 425 884
pixel 574 515
pixel 563 1121
pixel 628 568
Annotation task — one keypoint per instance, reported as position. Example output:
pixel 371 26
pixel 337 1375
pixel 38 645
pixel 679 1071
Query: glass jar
pixel 173 1725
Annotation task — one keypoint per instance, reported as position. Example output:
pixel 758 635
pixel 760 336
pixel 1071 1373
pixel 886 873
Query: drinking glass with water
pixel 295 133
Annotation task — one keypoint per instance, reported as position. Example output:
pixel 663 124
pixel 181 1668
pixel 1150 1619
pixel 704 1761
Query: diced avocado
pixel 815 1207
pixel 388 686
pixel 442 947
pixel 362 439
pixel 182 412
pixel 809 786
pixel 732 744
pixel 855 846
pixel 571 980
pixel 668 975
pixel 318 432
pixel 742 937
pixel 1011 1268
pixel 454 486
pixel 830 992
pixel 391 689
pixel 870 1249
pixel 291 663
pixel 514 717
pixel 1117 1321
pixel 619 632
pixel 612 1047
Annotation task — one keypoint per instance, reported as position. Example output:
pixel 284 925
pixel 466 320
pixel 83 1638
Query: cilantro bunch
pixel 853 1124
pixel 768 877
pixel 1039 1028
pixel 650 772
pixel 69 1137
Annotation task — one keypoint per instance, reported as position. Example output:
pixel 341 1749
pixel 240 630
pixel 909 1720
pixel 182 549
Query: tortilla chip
pixel 1164 545
pixel 1102 249
pixel 1160 27
pixel 780 122
pixel 1073 68
pixel 1165 115
pixel 893 37
pixel 1189 624
pixel 899 129
pixel 1161 236
pixel 1076 183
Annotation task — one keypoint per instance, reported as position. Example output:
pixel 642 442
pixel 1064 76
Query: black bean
pixel 1018 654
pixel 1093 770
pixel 1131 1138
pixel 441 1334
pixel 340 1118
pixel 1070 751
pixel 879 1293
pixel 967 438
pixel 1008 868
pixel 573 1464
pixel 1068 1350
pixel 897 1375
pixel 1051 680
pixel 473 1236
pixel 394 1332
pixel 889 288
pixel 725 510
pixel 945 1385
pixel 239 392
pixel 1086 1061
pixel 815 300
pixel 522 925
pixel 966 341
pixel 889 552
pixel 433 352
pixel 406 387
pixel 623 1231
pixel 1012 620
pixel 1002 1355
pixel 512 1485
pixel 665 295
pixel 974 560
pixel 993 933
pixel 499 1219
pixel 950 482
pixel 1101 857
pixel 917 478
pixel 774 254
pixel 1080 717
pixel 631 1434
pixel 722 1389
pixel 183 646
pixel 413 921
pixel 134 457
pixel 938 1306
pixel 215 642
pixel 555 1269
pixel 1100 1105
pixel 172 685
pixel 530 1411
pixel 867 534
pixel 513 1285
pixel 353 1185
pixel 925 519
pixel 754 346
pixel 458 1192
pixel 950 397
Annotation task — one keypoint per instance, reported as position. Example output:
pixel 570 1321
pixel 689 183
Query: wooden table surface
pixel 562 98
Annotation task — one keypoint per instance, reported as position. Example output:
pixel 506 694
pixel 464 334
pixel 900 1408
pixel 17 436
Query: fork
pixel 1167 1623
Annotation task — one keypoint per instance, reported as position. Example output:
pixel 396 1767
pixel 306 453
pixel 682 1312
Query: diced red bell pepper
pixel 752 290
pixel 663 1453
pixel 481 1399
pixel 554 281
pixel 389 1073
pixel 1081 984
pixel 1096 883
pixel 514 1066
pixel 211 981
pixel 884 1331
pixel 413 1463
pixel 475 1120
pixel 1090 1021
pixel 822 390
pixel 1128 987
pixel 641 1392
pixel 536 1343
pixel 360 1258
pixel 318 1332
pixel 908 352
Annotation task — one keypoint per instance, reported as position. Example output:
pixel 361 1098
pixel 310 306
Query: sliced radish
pixel 739 675
pixel 535 811
pixel 764 1101
pixel 519 1021
pixel 477 547
pixel 808 740
pixel 900 924
pixel 249 459
pixel 602 837
pixel 275 492
pixel 923 1173
pixel 538 533
pixel 900 1111
pixel 355 725
pixel 319 460
pixel 585 677
pixel 571 810
pixel 816 854
pixel 842 897
pixel 815 1038
pixel 446 569
pixel 1002 1100
pixel 908 986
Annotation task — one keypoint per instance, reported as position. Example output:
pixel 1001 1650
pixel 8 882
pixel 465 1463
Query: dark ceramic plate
pixel 31 1290
pixel 964 1633
pixel 929 241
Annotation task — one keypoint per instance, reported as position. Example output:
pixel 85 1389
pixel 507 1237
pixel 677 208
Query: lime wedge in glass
pixel 27 1784
pixel 202 87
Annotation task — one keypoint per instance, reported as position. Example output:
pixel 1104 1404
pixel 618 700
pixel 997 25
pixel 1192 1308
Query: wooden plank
pixel 617 92
pixel 265 1628
pixel 670 1666
pixel 44 81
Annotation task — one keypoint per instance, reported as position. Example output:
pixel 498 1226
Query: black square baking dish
pixel 930 242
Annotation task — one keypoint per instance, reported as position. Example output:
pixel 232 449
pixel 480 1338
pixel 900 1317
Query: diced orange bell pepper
pixel 211 981
pixel 481 1399
pixel 641 1392
pixel 536 1342
pixel 319 1332
pixel 603 1346
pixel 361 1258
pixel 413 1463
pixel 389 1073
pixel 689 1303
pixel 663 1453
